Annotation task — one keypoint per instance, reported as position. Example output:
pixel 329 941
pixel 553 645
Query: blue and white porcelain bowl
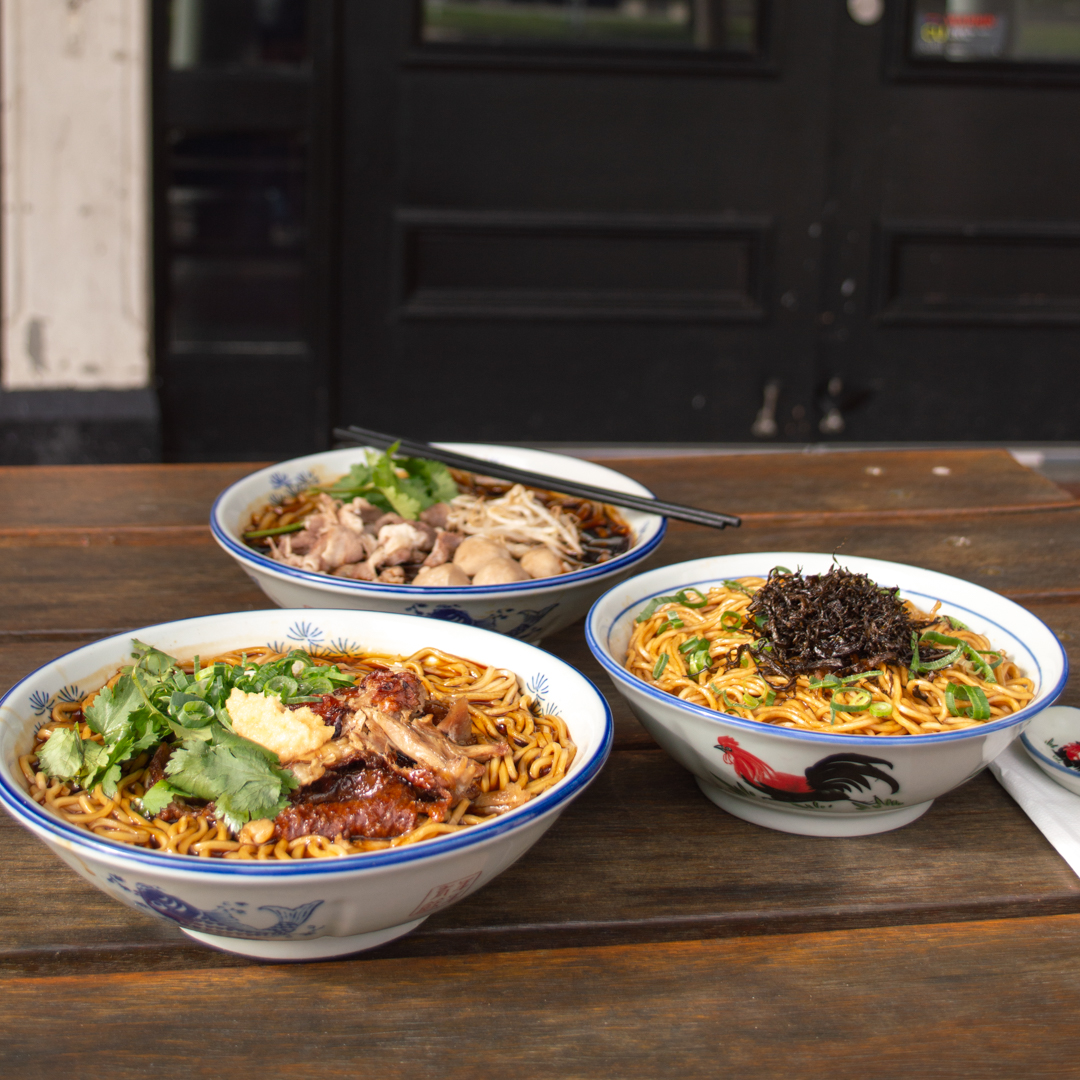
pixel 901 775
pixel 316 908
pixel 527 610
pixel 1052 741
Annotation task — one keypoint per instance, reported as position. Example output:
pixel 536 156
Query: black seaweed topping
pixel 837 623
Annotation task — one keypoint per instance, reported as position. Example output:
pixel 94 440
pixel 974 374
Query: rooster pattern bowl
pixel 821 784
pixel 304 909
pixel 527 610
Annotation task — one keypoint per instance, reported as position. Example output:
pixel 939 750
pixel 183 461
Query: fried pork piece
pixel 407 755
pixel 369 801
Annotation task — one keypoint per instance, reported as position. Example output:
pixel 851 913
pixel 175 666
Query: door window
pixel 704 25
pixel 1016 31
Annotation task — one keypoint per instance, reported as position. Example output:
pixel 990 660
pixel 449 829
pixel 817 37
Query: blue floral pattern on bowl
pixel 228 919
pixel 285 487
pixel 537 687
pixel 529 624
pixel 43 704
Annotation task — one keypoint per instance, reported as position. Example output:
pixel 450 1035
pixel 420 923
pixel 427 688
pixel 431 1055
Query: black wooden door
pixel 951 295
pixel 864 225
pixel 582 241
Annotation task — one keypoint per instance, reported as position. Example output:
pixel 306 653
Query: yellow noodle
pixel 919 704
pixel 540 751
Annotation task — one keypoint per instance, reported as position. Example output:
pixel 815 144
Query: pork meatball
pixel 474 551
pixel 499 572
pixel 542 562
pixel 443 576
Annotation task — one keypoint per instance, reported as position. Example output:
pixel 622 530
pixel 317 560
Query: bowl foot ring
pixel 811 822
pixel 316 948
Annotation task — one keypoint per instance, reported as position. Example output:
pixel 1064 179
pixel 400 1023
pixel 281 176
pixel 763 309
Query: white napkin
pixel 1054 810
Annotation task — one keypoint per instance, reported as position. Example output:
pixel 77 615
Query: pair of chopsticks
pixel 413 448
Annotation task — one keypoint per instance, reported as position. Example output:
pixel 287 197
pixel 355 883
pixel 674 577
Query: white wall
pixel 75 188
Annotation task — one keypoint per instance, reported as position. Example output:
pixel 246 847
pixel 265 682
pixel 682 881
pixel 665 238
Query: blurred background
pixel 734 222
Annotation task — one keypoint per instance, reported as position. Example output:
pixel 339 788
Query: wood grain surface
pixel 944 1002
pixel 648 932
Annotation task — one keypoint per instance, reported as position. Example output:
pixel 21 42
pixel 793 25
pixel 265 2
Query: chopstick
pixel 413 448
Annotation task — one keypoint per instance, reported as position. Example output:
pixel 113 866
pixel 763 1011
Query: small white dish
pixel 527 610
pixel 311 908
pixel 890 780
pixel 1052 741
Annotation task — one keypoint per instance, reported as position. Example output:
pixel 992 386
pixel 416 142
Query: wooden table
pixel 649 933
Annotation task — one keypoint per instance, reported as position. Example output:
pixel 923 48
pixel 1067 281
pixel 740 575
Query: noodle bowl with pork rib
pixel 261 755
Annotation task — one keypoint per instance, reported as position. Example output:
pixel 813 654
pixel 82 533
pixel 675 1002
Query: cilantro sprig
pixel 154 701
pixel 377 479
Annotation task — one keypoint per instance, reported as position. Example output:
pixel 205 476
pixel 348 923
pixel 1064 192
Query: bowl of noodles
pixel 359 528
pixel 822 695
pixel 296 785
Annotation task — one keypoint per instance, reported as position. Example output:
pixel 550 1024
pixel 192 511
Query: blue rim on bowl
pixel 18 803
pixel 618 673
pixel 228 540
pixel 1049 762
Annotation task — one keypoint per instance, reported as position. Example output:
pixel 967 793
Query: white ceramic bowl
pixel 527 610
pixel 309 908
pixel 1052 741
pixel 902 775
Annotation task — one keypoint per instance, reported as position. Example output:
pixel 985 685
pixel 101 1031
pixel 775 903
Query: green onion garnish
pixel 731 620
pixel 881 708
pixel 693 645
pixel 660 665
pixel 699 661
pixel 961 647
pixel 258 534
pixel 980 707
pixel 681 597
pixel 859 705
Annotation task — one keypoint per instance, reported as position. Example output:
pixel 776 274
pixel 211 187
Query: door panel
pixel 951 295
pixel 632 248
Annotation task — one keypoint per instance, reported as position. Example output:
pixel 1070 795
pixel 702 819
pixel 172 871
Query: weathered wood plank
pixel 986 999
pixel 112 496
pixel 843 481
pixel 43 496
pixel 1027 554
pixel 642 856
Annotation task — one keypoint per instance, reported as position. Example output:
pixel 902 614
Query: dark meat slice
pixel 155 771
pixel 442 551
pixel 436 515
pixel 430 749
pixel 370 802
pixel 399 692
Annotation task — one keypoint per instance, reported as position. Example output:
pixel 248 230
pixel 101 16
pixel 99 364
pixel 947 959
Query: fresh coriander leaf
pixel 243 779
pixel 158 797
pixel 113 707
pixel 152 660
pixel 441 486
pixel 61 754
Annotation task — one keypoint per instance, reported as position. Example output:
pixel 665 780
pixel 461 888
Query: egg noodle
pixel 887 700
pixel 540 753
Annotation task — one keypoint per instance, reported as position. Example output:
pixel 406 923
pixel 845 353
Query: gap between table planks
pixel 982 999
